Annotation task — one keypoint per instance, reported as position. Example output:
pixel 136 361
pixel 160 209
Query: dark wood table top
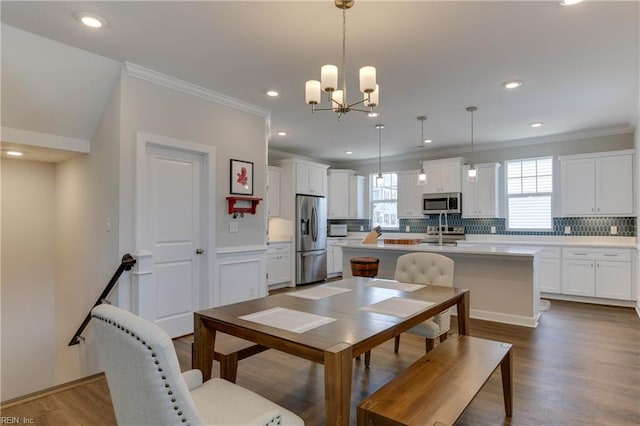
pixel 359 328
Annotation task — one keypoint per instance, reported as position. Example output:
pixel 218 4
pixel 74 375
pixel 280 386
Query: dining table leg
pixel 463 313
pixel 338 361
pixel 204 339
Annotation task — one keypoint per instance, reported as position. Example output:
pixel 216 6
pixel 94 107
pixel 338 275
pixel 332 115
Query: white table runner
pixel 394 285
pixel 398 307
pixel 288 319
pixel 318 292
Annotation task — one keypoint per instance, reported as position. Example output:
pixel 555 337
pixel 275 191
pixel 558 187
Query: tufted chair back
pixel 142 370
pixel 425 268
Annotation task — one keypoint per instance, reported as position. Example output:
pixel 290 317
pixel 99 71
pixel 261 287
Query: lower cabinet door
pixel 550 275
pixel 578 277
pixel 613 280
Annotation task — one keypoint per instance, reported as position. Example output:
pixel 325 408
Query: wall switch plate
pixel 233 227
pixel 407 228
pixel 614 230
pixel 567 230
pixel 493 229
pixel 361 227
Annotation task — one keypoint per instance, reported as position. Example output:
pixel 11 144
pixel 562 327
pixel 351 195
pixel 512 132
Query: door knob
pixel 199 251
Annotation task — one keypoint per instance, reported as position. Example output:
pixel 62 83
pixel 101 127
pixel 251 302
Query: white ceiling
pixel 580 64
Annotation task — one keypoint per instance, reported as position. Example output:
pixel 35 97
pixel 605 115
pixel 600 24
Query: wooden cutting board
pixel 402 241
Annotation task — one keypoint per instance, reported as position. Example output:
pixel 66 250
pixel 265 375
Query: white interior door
pixel 173 220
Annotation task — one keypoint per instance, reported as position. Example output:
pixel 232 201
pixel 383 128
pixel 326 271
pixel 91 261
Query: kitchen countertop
pixel 500 250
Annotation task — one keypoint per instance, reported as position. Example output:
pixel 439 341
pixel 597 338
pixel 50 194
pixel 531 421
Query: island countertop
pixel 491 250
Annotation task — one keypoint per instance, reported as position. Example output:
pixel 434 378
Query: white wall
pixel 28 279
pixel 235 134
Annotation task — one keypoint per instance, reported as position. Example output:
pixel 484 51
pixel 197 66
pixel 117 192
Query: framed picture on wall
pixel 241 177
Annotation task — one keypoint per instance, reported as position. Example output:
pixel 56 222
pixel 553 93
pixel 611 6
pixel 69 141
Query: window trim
pixel 508 228
pixel 372 179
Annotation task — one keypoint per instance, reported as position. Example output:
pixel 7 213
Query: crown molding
pixel 146 74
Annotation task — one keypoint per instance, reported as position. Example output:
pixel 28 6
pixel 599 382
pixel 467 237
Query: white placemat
pixel 398 307
pixel 394 285
pixel 318 292
pixel 288 319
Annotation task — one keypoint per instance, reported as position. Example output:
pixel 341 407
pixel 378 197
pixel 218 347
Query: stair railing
pixel 127 263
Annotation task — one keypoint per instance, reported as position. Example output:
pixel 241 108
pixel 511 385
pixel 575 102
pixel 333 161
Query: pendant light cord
pixel 344 55
pixel 379 150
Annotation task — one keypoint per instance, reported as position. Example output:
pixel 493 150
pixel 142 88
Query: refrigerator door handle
pixel 314 224
pixel 312 254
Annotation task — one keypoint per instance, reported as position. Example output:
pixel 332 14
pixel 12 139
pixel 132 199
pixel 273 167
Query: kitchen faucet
pixel 446 224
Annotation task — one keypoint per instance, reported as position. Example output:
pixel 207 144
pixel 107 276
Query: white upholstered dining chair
pixel 425 268
pixel 147 388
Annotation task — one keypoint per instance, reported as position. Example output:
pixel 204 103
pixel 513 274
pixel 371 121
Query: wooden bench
pixel 229 350
pixel 437 388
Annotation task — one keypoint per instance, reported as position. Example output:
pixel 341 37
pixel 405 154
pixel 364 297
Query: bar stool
pixel 364 266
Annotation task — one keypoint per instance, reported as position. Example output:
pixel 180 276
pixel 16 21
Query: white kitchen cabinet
pixel 311 179
pixel 278 260
pixel 334 257
pixel 357 188
pixel 604 273
pixel 597 184
pixel 409 195
pixel 443 175
pixel 345 195
pixel 273 192
pixel 550 269
pixel 480 198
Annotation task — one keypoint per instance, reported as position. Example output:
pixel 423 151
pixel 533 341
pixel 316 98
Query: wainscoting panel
pixel 242 275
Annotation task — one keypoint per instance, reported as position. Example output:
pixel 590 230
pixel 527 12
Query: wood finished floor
pixel 581 366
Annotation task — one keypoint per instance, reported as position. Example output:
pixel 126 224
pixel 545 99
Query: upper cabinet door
pixel 273 192
pixel 409 195
pixel 450 177
pixel 433 179
pixel 614 185
pixel 578 184
pixel 597 184
pixel 338 199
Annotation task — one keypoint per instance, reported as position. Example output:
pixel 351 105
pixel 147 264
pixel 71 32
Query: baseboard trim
pixel 52 390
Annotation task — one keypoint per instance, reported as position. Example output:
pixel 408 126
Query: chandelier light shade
pixel 422 176
pixel 379 178
pixel 472 173
pixel 337 95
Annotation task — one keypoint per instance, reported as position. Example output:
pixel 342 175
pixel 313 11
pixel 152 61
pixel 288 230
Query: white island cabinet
pixel 597 184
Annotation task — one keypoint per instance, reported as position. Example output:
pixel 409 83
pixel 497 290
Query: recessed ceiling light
pixel 570 2
pixel 273 93
pixel 282 133
pixel 373 114
pixel 15 153
pixel 536 124
pixel 427 141
pixel 348 152
pixel 512 84
pixel 91 20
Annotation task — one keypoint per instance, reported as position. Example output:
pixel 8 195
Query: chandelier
pixel 329 80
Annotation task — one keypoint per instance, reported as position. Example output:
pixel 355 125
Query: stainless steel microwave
pixel 450 202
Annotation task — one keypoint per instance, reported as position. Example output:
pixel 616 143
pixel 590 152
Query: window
pixel 384 201
pixel 529 191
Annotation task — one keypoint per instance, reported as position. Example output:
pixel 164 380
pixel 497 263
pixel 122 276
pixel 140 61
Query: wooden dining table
pixel 354 328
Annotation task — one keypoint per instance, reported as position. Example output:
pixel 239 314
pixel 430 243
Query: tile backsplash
pixel 579 226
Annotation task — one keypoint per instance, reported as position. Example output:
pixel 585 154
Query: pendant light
pixel 379 178
pixel 422 176
pixel 472 173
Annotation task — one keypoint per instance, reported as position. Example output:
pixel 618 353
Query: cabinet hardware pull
pixel 580 254
pixel 611 255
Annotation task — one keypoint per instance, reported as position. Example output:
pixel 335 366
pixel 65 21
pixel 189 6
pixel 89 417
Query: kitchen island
pixel 503 280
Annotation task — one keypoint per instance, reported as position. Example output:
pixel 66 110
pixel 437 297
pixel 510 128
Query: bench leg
pixel 229 367
pixel 507 387
pixel 428 344
pixel 396 344
pixel 367 358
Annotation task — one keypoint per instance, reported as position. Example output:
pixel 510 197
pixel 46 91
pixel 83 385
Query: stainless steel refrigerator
pixel 311 239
